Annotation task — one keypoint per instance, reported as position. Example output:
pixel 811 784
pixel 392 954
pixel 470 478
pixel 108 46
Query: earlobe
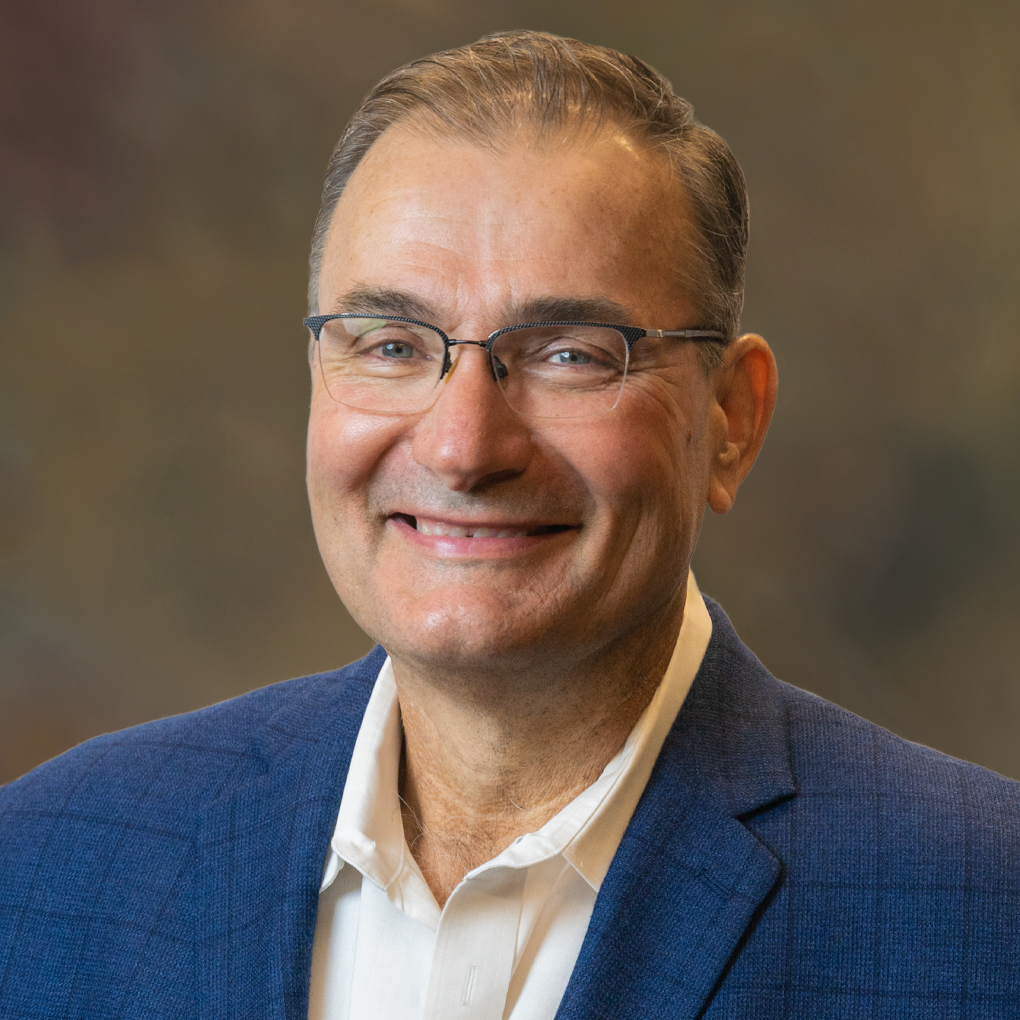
pixel 722 486
pixel 720 501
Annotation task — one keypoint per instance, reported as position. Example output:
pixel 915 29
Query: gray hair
pixel 484 91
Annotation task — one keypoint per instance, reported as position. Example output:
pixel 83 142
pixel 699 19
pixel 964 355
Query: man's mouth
pixel 432 526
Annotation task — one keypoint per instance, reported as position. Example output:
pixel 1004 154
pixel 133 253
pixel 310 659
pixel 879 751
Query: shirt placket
pixel 473 959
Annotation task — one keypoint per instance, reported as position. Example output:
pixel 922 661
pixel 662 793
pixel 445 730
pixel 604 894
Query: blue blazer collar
pixel 688 878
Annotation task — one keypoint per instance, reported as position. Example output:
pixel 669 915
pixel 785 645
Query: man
pixel 565 788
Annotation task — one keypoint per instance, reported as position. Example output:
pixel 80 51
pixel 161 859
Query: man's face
pixel 588 523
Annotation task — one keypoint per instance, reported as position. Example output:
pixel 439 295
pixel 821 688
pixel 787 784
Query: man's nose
pixel 471 436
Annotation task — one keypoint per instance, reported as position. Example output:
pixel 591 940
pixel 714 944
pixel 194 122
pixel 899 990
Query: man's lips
pixel 487 529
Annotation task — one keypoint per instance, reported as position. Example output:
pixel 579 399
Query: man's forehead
pixel 494 239
pixel 370 299
pixel 407 163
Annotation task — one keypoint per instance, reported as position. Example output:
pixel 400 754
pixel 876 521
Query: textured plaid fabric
pixel 787 860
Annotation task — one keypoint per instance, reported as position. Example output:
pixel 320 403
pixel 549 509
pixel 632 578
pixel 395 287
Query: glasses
pixel 394 365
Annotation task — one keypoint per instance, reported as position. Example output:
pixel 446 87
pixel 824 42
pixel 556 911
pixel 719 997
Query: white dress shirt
pixel 506 942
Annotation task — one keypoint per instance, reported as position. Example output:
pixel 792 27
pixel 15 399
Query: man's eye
pixel 570 357
pixel 397 349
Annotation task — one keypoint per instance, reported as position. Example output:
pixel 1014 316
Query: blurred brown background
pixel 160 167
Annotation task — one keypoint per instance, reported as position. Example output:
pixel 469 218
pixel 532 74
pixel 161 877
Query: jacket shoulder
pixel 834 753
pixel 182 763
pixel 100 848
pixel 918 797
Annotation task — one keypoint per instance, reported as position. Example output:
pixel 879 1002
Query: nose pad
pixel 496 367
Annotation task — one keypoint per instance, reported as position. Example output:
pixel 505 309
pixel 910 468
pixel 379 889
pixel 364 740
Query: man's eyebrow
pixel 379 299
pixel 569 309
pixel 375 300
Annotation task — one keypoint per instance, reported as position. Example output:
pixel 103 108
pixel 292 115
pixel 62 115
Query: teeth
pixel 456 531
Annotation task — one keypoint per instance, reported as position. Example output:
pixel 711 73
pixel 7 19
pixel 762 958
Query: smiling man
pixel 561 786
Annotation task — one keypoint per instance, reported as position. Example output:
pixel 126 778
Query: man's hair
pixel 487 91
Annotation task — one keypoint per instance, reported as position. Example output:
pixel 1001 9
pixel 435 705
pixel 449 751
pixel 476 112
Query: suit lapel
pixel 261 852
pixel 688 878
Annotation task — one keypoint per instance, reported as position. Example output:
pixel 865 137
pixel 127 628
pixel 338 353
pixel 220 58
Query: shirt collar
pixel 369 831
pixel 593 847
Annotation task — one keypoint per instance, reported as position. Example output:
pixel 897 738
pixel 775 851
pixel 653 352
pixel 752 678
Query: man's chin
pixel 466 641
pixel 453 643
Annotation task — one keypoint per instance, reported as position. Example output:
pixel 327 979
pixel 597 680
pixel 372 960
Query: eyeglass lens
pixel 546 371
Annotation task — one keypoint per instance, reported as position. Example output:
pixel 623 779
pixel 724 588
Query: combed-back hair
pixel 486 92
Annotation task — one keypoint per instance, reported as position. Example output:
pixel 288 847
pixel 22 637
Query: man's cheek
pixel 344 448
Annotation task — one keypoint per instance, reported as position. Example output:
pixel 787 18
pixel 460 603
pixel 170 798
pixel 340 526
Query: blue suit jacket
pixel 787 860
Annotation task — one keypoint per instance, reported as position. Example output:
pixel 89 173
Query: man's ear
pixel 745 397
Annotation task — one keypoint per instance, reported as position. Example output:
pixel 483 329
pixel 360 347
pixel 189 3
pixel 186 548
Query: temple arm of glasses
pixel 688 334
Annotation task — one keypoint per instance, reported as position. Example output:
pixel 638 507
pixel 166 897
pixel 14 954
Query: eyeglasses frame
pixel 631 334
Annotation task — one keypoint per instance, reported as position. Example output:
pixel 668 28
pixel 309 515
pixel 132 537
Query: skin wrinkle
pixel 519 675
pixel 367 299
pixel 688 268
pixel 583 133
pixel 478 829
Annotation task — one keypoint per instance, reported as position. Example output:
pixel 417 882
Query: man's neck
pixel 476 775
